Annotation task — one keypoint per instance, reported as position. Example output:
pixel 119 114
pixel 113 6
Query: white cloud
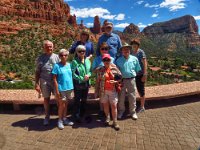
pixel 68 0
pixel 121 25
pixel 151 6
pixel 173 5
pixel 120 17
pixel 89 24
pixel 154 15
pixel 139 2
pixel 197 17
pixel 98 11
pixel 141 25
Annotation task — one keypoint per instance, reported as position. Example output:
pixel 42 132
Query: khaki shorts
pixel 46 88
pixel 109 96
pixel 66 95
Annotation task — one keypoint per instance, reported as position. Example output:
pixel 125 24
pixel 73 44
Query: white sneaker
pixel 134 116
pixel 142 109
pixel 120 114
pixel 46 121
pixel 60 125
pixel 67 122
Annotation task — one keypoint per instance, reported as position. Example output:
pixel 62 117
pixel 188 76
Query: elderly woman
pixel 84 40
pixel 106 78
pixel 104 49
pixel 97 63
pixel 81 67
pixel 62 77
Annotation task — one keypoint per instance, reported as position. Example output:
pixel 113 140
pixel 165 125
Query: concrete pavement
pixel 161 127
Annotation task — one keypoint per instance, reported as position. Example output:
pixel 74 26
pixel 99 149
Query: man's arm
pixel 56 86
pixel 37 78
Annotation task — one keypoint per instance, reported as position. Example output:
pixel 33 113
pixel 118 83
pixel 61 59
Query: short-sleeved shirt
pixel 64 76
pixel 128 67
pixel 44 65
pixel 88 45
pixel 99 63
pixel 140 55
pixel 113 42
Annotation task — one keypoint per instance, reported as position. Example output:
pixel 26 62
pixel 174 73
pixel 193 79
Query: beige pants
pixel 128 87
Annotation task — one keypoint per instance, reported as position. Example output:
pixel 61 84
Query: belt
pixel 128 78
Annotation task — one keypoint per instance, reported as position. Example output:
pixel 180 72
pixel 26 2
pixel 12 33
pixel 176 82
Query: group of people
pixel 119 69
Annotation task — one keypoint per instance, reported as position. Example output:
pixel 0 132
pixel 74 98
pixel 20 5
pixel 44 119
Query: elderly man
pixel 43 77
pixel 111 39
pixel 129 67
pixel 142 75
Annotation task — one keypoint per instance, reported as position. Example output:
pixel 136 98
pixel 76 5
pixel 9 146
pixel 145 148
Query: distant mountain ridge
pixel 185 26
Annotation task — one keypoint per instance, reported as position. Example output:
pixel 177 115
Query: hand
pixel 37 88
pixel 144 78
pixel 86 78
pixel 113 81
pixel 89 57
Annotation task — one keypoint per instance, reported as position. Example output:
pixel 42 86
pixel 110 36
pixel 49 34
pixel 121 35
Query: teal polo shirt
pixel 128 67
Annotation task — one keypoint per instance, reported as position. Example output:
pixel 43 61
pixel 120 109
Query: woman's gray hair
pixel 46 41
pixel 65 51
pixel 80 47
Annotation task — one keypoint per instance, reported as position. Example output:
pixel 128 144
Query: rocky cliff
pixel 132 29
pixel 96 29
pixel 51 11
pixel 185 24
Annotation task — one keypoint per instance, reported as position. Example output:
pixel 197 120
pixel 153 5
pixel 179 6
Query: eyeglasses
pixel 106 59
pixel 104 49
pixel 81 51
pixel 63 55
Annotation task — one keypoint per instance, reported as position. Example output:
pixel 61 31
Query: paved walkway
pixel 166 128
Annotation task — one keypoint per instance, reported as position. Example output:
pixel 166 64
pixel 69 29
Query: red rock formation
pixel 132 29
pixel 96 29
pixel 103 27
pixel 12 27
pixel 51 11
pixel 185 24
pixel 81 26
pixel 72 20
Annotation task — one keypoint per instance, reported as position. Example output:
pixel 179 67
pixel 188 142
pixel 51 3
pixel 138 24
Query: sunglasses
pixel 81 51
pixel 106 59
pixel 63 55
pixel 104 49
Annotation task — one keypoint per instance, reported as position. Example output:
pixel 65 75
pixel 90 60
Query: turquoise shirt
pixel 128 67
pixel 64 76
pixel 99 63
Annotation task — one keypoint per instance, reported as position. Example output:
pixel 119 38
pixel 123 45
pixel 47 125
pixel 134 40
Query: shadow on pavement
pixel 35 124
pixel 90 121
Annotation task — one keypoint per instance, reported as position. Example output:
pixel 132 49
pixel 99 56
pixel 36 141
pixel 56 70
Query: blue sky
pixel 140 12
